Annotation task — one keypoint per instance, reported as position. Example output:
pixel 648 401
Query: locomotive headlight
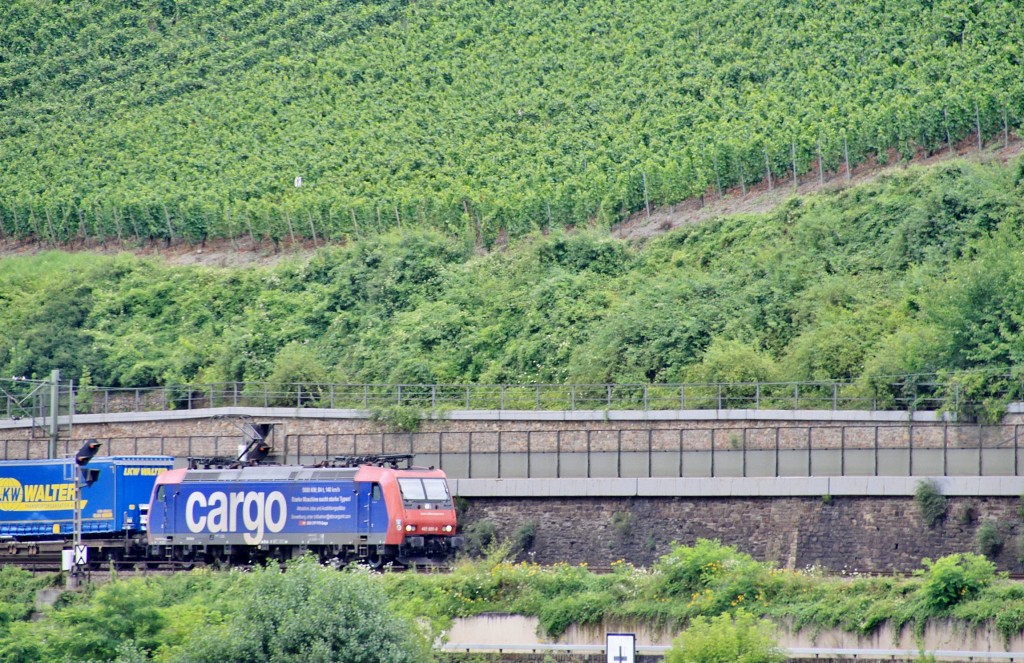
pixel 447 528
pixel 410 528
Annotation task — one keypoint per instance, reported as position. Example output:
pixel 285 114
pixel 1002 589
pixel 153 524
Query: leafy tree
pixel 311 613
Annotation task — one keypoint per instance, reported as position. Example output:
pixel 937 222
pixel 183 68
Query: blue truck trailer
pixel 37 497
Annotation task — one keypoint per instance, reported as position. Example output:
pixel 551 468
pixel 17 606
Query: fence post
pixel 529 453
pixel 502 397
pixel 680 453
pixel 745 452
pixel 650 453
pixel 572 398
pixel 792 149
pixel 842 451
pixel 977 124
pixel 910 451
pixel 846 158
pixel 558 454
pixel 647 200
pixel 945 448
pixel 588 453
pixel 712 453
pixel 499 454
pixel 645 398
pixel 777 451
pixel 835 396
pixel 981 446
pixel 618 460
pixel 810 457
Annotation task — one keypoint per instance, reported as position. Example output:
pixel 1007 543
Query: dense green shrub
pixel 742 638
pixel 310 613
pixel 953 579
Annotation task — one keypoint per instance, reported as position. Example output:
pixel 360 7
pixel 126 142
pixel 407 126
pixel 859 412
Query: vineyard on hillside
pixel 161 119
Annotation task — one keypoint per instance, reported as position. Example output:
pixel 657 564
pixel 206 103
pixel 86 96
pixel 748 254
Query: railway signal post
pixel 82 477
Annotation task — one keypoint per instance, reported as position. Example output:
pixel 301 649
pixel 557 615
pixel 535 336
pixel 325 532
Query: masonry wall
pixel 314 433
pixel 840 533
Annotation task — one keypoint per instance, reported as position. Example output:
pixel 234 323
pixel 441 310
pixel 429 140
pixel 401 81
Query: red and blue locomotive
pixel 377 509
pixel 368 509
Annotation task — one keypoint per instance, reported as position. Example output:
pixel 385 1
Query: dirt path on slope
pixel 759 198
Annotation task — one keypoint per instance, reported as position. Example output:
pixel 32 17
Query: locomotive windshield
pixel 424 490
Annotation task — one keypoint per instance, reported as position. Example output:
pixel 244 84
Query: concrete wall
pixel 943 636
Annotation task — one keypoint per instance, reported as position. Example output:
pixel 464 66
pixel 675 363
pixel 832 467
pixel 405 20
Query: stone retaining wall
pixel 315 433
pixel 868 534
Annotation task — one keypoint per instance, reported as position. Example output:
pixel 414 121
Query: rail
pixel 901 394
pixel 619 452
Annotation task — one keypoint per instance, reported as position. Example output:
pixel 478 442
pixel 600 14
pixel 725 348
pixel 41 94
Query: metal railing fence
pixel 831 395
pixel 852 450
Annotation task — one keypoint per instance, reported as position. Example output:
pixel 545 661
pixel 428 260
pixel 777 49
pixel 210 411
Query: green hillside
pixel 919 273
pixel 168 119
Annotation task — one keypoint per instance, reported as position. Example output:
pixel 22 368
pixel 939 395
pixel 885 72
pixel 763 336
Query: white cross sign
pixel 81 555
pixel 620 647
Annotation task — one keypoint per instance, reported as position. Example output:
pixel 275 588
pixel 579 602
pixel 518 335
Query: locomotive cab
pixel 422 528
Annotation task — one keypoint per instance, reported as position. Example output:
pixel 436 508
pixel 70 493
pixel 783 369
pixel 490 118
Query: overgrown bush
pixel 479 535
pixel 727 639
pixel 931 504
pixel 310 613
pixel 953 579
pixel 711 577
pixel 397 418
pixel 967 512
pixel 525 535
pixel 989 539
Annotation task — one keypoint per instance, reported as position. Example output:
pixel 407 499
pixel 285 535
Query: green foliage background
pixel 168 119
pixel 918 273
pixel 314 613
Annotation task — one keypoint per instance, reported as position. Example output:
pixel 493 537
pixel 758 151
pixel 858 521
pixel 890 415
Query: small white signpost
pixel 81 555
pixel 620 647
